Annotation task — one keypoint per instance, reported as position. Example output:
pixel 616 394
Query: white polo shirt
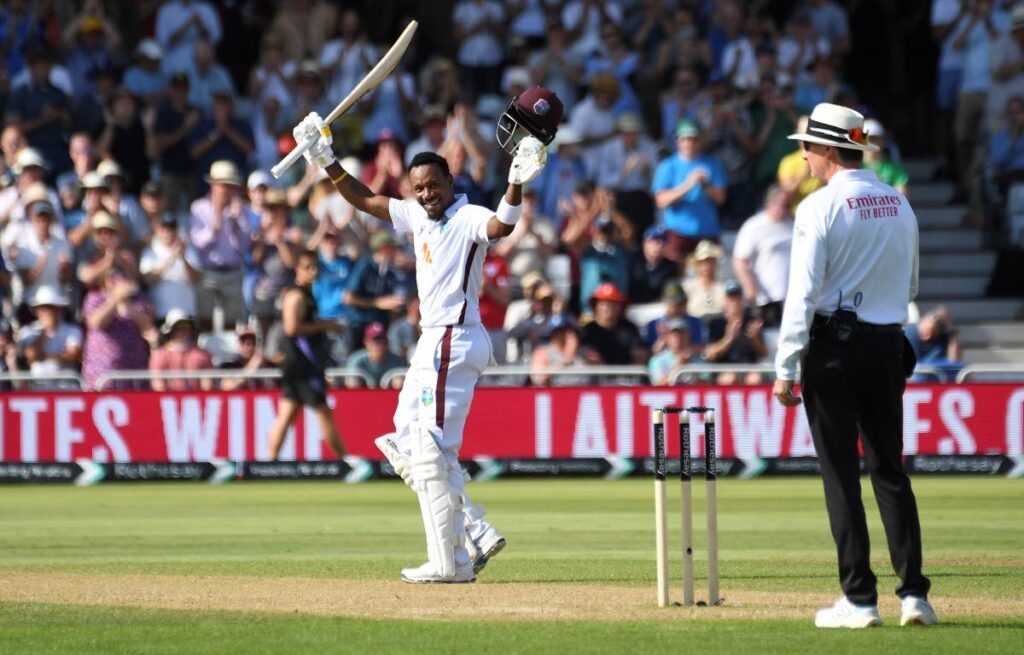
pixel 449 259
pixel 766 243
pixel 855 246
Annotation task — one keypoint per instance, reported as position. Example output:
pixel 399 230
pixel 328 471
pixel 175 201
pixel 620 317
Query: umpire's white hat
pixel 835 125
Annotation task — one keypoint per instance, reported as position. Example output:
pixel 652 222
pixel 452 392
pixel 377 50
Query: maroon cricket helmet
pixel 536 111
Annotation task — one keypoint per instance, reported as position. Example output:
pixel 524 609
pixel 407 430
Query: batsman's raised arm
pixel 527 164
pixel 320 154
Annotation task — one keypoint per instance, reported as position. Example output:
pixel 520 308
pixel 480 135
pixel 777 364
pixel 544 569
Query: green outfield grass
pixel 563 535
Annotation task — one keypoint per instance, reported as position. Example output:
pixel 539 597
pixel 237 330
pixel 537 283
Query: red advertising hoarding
pixel 531 423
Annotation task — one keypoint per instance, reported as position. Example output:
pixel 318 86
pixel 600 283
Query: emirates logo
pixel 541 107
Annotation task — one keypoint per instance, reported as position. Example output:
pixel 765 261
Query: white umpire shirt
pixel 854 247
pixel 449 259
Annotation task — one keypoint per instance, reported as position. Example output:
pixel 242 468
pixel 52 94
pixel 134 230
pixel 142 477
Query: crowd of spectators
pixel 981 98
pixel 141 229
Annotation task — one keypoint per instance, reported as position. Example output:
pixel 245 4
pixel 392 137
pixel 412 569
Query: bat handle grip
pixel 290 159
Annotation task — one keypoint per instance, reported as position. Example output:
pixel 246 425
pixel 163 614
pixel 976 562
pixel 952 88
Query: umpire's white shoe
pixel 427 574
pixel 845 614
pixel 917 611
pixel 487 546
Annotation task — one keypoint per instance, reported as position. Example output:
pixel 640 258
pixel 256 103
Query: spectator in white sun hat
pixel 51 344
pixel 222 226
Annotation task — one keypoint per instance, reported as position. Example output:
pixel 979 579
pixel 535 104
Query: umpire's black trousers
pixel 851 385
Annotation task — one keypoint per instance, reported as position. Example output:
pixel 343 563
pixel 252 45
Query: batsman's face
pixel 432 188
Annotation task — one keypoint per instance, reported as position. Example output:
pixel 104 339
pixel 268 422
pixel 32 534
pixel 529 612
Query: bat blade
pixel 377 74
pixel 372 80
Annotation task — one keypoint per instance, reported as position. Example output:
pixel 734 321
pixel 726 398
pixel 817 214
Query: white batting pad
pixel 386 444
pixel 438 503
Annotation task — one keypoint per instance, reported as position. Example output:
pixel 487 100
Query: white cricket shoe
pixel 427 574
pixel 917 611
pixel 487 547
pixel 845 614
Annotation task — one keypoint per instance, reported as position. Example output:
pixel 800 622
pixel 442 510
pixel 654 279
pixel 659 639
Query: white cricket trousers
pixel 436 396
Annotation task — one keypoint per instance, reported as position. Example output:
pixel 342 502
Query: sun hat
pixel 382 239
pixel 224 172
pixel 150 49
pixel 276 198
pixel 630 123
pixel 707 250
pixel 110 168
pixel 176 316
pixel 873 129
pixel 47 295
pixel 27 157
pixel 94 180
pixel 836 126
pixel 102 220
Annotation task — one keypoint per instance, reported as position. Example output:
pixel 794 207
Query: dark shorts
pixel 311 392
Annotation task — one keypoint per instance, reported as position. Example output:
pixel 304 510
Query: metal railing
pixel 105 379
pixel 1005 372
pixel 709 369
pixel 927 369
pixel 514 371
pixel 56 376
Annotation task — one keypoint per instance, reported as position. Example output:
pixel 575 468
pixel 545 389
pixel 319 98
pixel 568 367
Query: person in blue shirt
pixel 675 301
pixel 606 259
pixel 220 137
pixel 819 87
pixel 145 80
pixel 935 342
pixel 42 111
pixel 1006 147
pixel 335 269
pixel 565 167
pixel 375 288
pixel 689 187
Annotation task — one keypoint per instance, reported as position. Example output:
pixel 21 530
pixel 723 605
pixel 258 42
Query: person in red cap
pixel 374 360
pixel 450 238
pixel 611 334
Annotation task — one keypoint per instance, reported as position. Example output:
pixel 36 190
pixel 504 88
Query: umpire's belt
pixel 821 322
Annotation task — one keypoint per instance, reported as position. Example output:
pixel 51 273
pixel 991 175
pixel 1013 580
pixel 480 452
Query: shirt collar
pixel 854 174
pixel 460 201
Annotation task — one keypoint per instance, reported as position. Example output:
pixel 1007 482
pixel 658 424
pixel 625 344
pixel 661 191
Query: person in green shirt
pixel 888 171
pixel 774 118
pixel 375 359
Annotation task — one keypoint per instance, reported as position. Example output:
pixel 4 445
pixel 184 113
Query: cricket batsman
pixel 450 238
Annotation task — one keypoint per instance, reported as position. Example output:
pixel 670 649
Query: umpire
pixel 853 272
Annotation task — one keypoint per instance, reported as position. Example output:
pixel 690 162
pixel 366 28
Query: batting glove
pixel 528 162
pixel 312 128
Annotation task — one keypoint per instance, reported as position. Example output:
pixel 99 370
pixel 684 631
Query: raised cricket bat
pixel 373 79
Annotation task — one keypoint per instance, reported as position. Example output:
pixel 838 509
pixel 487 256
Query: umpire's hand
pixel 783 390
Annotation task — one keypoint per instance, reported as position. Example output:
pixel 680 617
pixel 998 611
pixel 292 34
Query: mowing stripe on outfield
pixel 493 601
